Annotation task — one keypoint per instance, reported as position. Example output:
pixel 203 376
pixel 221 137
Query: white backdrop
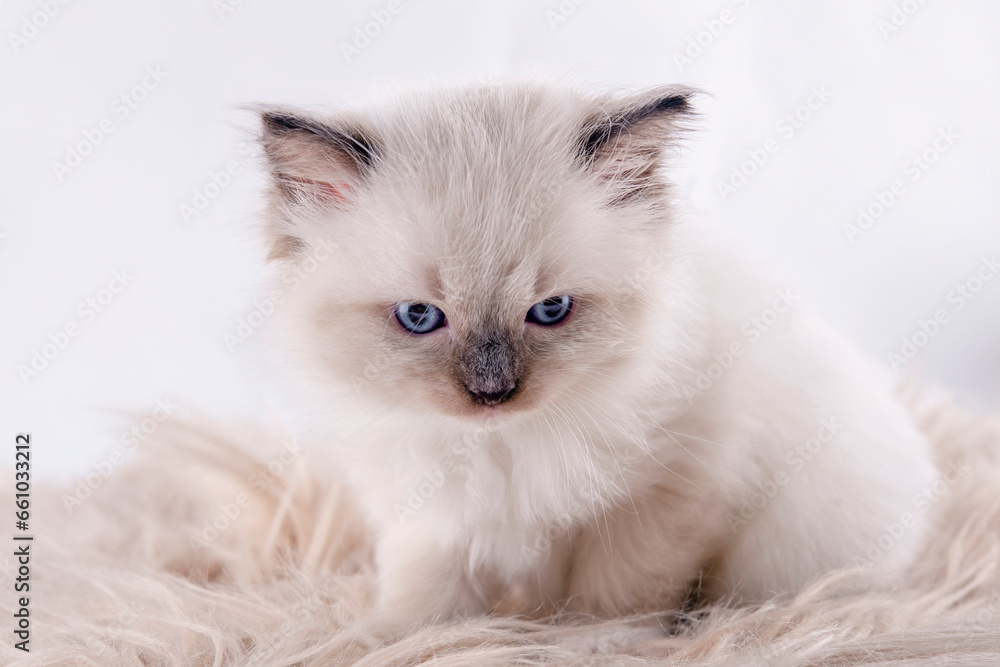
pixel 117 115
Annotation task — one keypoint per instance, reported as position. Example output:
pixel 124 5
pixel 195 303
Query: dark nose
pixel 491 397
pixel 488 370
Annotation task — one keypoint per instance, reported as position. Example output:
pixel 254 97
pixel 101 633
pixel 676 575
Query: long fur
pixel 119 581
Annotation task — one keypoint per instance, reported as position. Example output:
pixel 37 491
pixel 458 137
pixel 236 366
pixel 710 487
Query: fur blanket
pixel 201 553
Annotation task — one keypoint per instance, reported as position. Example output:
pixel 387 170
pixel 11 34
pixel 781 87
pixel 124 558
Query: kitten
pixel 547 391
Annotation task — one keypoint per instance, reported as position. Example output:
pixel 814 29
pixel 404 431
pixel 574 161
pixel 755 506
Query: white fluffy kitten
pixel 546 393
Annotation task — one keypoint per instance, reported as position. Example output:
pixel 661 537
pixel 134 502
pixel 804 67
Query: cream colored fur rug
pixel 289 582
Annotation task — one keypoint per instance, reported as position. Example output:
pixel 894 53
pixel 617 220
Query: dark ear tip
pixel 664 102
pixel 679 103
pixel 676 99
pixel 279 124
pixel 277 121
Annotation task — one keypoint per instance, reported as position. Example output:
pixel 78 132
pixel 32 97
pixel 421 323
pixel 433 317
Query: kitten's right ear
pixel 624 140
pixel 314 165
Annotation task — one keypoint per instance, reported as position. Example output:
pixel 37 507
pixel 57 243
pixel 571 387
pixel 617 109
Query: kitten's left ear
pixel 624 140
pixel 312 157
pixel 314 164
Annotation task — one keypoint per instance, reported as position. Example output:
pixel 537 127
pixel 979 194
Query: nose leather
pixel 489 371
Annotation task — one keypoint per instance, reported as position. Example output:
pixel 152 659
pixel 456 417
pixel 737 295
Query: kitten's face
pixel 483 245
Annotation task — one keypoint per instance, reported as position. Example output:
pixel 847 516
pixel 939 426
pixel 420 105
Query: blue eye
pixel 551 311
pixel 419 318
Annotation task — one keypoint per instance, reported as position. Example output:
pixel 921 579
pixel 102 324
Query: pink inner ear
pixel 327 192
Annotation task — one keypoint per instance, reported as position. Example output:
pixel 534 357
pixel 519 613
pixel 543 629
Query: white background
pixel 891 90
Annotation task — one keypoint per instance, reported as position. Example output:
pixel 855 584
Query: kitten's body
pixel 689 422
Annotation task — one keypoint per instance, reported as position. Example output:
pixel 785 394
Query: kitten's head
pixel 471 251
